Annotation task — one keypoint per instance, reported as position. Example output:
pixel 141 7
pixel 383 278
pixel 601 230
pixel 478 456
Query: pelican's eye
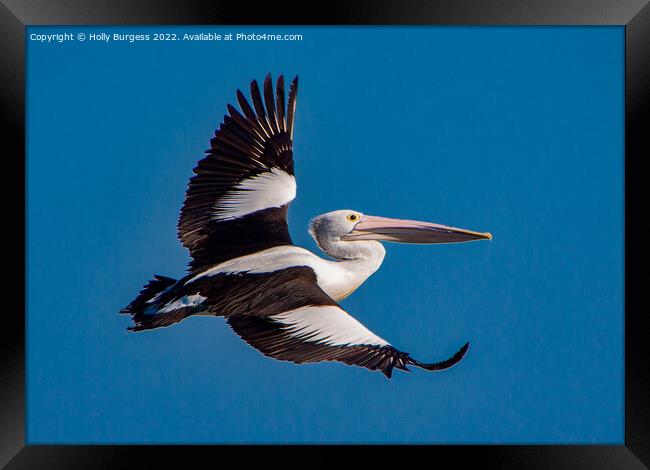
pixel 353 217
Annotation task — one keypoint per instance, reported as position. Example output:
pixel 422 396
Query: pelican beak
pixel 410 231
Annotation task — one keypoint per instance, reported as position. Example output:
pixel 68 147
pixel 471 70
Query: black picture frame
pixel 634 15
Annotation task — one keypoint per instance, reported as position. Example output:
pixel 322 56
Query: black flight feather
pixel 246 145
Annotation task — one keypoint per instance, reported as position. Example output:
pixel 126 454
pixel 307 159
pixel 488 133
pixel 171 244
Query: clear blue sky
pixel 513 130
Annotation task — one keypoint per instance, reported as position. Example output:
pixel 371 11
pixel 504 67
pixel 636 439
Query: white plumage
pixel 338 279
pixel 186 301
pixel 264 191
pixel 328 325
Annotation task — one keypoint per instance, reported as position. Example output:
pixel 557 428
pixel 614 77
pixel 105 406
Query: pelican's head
pixel 353 226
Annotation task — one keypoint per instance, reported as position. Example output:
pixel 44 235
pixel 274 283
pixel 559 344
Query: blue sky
pixel 513 130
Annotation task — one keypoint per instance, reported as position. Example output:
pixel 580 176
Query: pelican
pixel 281 299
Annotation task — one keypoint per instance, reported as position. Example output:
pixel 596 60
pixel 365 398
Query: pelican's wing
pixel 237 202
pixel 287 316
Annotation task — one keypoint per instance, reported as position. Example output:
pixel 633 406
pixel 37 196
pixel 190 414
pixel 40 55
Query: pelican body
pixel 280 298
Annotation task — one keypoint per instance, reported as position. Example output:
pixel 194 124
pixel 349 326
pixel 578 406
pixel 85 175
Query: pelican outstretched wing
pixel 287 316
pixel 237 202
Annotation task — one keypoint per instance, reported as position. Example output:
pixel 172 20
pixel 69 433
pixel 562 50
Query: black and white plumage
pixel 237 202
pixel 279 298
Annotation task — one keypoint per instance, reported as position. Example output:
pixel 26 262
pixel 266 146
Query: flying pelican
pixel 279 298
